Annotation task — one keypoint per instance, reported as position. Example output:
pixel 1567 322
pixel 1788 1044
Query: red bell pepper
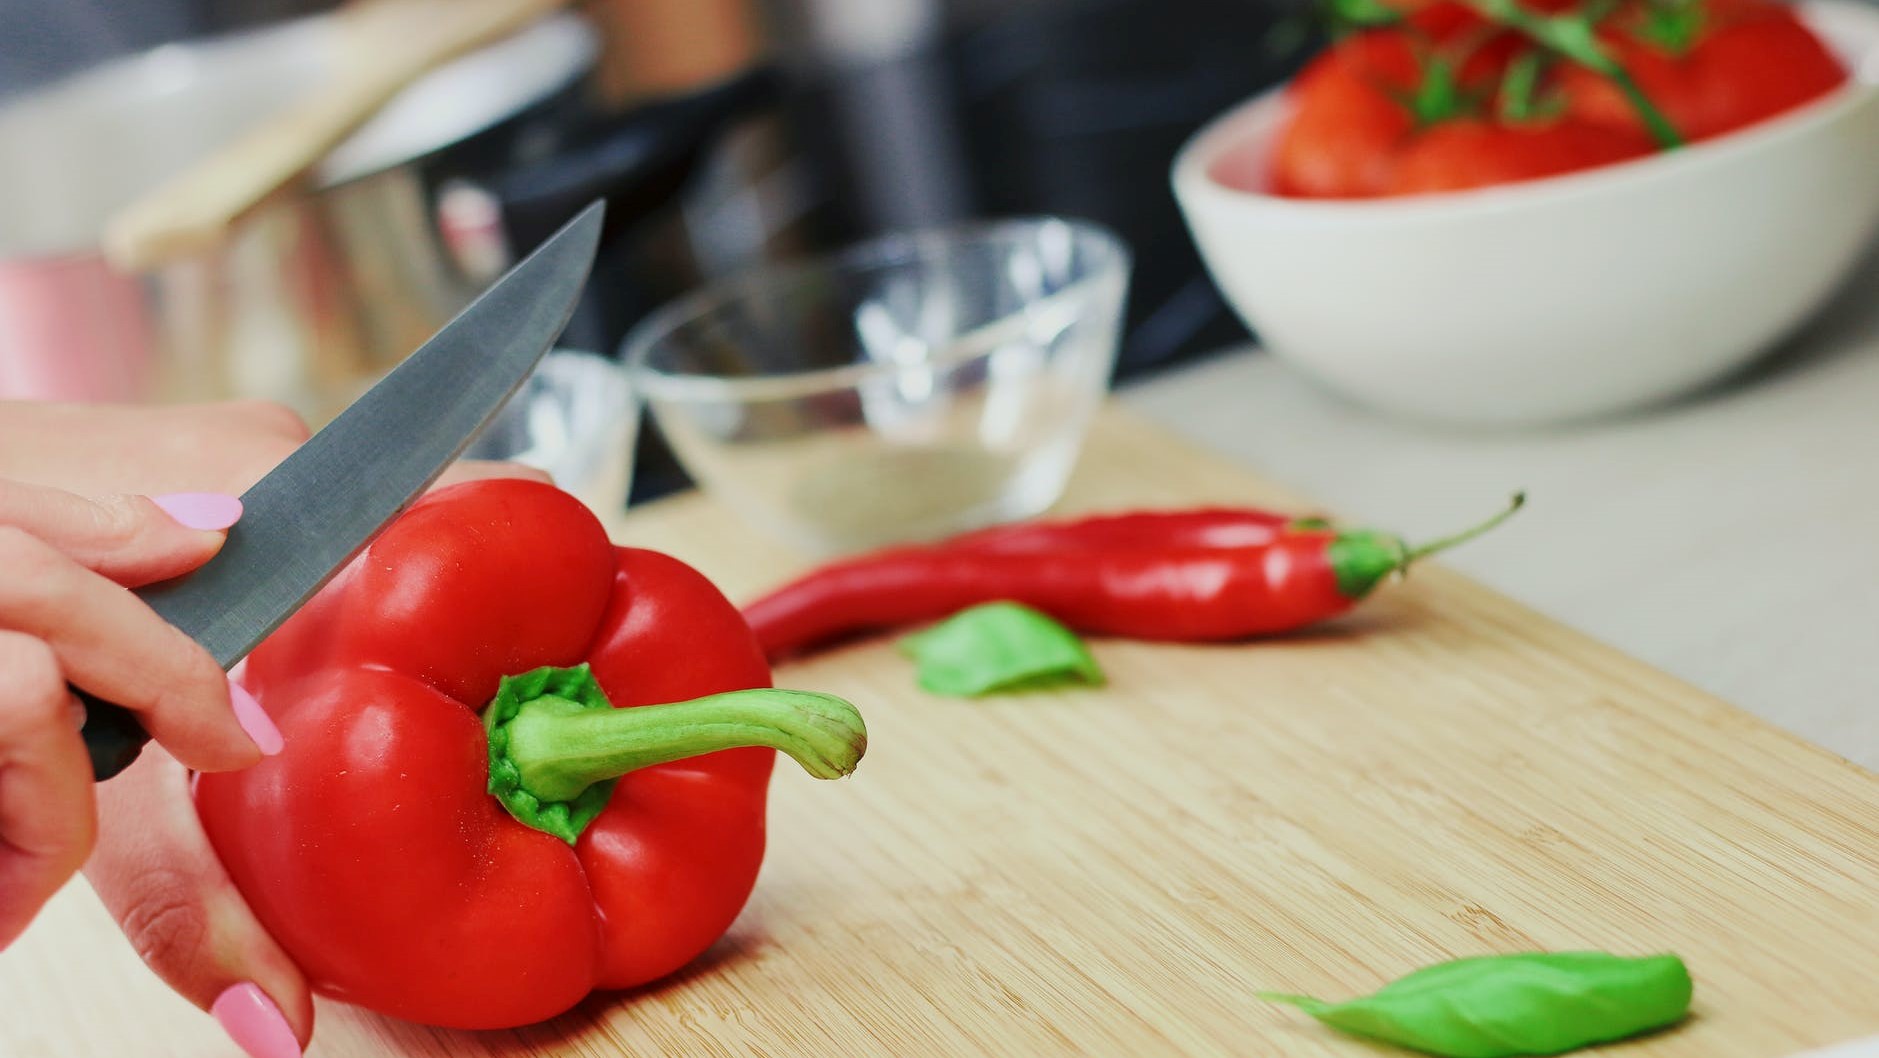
pixel 415 863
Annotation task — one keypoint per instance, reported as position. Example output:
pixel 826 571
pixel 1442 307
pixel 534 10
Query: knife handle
pixel 112 735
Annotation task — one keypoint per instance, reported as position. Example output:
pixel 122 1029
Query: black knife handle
pixel 112 735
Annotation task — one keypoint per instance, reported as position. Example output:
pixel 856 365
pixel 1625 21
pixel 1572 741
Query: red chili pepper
pixel 373 849
pixel 1205 527
pixel 1303 575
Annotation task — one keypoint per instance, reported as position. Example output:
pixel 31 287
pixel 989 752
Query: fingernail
pixel 255 1024
pixel 255 721
pixel 201 510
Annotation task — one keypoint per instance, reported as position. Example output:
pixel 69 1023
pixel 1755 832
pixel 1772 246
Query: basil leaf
pixel 1500 1006
pixel 999 646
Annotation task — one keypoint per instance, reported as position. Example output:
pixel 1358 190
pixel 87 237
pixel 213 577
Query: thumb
pixel 134 540
pixel 157 874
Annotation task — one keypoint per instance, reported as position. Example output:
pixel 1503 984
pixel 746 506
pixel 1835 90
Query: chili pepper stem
pixel 1453 540
pixel 1362 559
pixel 554 756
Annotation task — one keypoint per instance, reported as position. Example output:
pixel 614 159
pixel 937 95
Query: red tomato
pixel 1418 7
pixel 1460 155
pixel 1349 111
pixel 1353 134
pixel 1750 61
pixel 1345 128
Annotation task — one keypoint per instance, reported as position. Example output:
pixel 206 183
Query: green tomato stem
pixel 1654 120
pixel 1573 38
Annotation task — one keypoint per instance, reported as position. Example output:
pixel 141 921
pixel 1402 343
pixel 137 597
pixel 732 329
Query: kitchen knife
pixel 307 518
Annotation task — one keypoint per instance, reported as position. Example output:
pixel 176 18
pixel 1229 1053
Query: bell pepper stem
pixel 556 745
pixel 561 752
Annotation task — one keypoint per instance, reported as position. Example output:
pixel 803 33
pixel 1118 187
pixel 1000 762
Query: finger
pixel 478 469
pixel 46 820
pixel 111 644
pixel 227 446
pixel 104 449
pixel 133 540
pixel 159 877
pixel 264 416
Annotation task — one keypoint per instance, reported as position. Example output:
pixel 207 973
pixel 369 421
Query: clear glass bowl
pixel 575 418
pixel 907 388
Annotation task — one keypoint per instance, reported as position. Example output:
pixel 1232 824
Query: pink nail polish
pixel 200 510
pixel 254 720
pixel 253 1021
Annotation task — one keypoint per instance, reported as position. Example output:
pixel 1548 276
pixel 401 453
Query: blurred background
pixel 730 134
pixel 795 126
pixel 1663 355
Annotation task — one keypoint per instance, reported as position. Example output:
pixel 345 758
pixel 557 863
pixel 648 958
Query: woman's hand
pixel 67 617
pixel 152 866
pixel 100 450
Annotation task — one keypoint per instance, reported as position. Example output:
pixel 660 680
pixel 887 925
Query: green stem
pixel 561 751
pixel 1446 542
pixel 1660 127
pixel 1520 87
pixel 1361 559
pixel 556 746
pixel 1573 38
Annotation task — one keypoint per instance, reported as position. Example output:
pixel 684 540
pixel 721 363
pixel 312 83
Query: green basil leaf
pixel 1501 1006
pixel 1000 646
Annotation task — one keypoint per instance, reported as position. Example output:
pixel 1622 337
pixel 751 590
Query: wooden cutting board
pixel 1114 872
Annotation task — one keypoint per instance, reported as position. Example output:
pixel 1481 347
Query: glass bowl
pixel 904 389
pixel 575 417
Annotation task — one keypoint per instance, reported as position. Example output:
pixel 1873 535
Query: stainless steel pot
pixel 322 291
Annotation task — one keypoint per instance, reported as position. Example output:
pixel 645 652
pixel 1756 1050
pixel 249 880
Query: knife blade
pixel 308 517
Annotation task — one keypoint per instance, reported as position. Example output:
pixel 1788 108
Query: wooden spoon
pixel 386 45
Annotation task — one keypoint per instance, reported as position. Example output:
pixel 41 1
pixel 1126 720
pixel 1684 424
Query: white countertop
pixel 1731 539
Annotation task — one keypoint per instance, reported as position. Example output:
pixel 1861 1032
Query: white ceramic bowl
pixel 1561 298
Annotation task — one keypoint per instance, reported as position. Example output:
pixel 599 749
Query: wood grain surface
pixel 1114 872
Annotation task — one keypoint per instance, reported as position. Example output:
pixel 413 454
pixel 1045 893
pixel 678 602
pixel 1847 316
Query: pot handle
pixel 384 46
pixel 638 163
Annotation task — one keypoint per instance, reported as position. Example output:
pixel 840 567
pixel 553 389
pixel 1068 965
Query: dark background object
pixel 977 108
pixel 1074 108
pixel 1079 109
pixel 1003 107
pixel 641 164
pixel 42 40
